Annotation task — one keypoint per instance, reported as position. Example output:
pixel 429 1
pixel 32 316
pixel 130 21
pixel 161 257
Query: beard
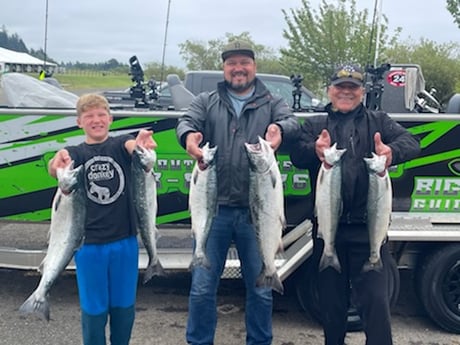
pixel 240 87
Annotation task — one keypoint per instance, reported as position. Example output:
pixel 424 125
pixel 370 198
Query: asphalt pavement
pixel 161 314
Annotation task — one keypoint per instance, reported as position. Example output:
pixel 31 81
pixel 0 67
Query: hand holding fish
pixel 273 136
pixel 145 140
pixel 60 160
pixel 323 143
pixel 192 143
pixel 383 150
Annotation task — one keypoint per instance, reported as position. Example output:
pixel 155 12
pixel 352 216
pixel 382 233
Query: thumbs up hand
pixel 383 150
pixel 322 143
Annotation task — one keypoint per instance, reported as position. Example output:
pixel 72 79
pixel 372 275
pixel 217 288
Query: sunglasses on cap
pixel 343 73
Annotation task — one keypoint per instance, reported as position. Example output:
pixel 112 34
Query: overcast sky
pixel 98 30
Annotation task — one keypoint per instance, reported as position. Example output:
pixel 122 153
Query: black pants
pixel 368 291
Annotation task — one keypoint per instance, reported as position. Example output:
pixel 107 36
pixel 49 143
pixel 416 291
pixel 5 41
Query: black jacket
pixel 355 132
pixel 212 114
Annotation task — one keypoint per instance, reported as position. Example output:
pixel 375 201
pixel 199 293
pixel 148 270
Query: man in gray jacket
pixel 238 112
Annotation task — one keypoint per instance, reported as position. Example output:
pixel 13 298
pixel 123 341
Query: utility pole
pixel 43 72
pixel 377 36
pixel 164 43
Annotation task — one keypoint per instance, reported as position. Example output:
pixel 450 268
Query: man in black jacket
pixel 238 112
pixel 361 132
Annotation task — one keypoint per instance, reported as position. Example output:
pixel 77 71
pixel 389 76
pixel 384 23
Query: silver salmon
pixel 328 205
pixel 66 235
pixel 266 203
pixel 202 203
pixel 379 205
pixel 145 204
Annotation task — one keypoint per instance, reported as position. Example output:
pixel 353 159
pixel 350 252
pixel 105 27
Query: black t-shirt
pixel 109 210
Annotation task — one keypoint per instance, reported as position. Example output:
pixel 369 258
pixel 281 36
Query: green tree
pixel 200 55
pixel 440 64
pixel 338 33
pixel 453 6
pixel 12 42
pixel 154 70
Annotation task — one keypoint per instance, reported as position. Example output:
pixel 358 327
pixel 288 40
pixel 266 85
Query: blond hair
pixel 90 101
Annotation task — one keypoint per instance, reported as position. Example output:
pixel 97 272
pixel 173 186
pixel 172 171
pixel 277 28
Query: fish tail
pixel 35 306
pixel 329 261
pixel 152 270
pixel 373 266
pixel 272 281
pixel 200 261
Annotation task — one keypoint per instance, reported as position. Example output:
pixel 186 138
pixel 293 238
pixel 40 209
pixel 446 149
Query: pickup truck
pixel 424 234
pixel 199 81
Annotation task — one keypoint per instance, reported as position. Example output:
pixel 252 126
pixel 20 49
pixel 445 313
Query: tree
pixel 453 6
pixel 13 42
pixel 154 70
pixel 199 55
pixel 338 33
pixel 440 64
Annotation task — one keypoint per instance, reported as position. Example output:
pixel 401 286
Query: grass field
pixel 93 81
pixel 83 80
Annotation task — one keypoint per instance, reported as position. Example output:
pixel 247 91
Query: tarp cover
pixel 21 90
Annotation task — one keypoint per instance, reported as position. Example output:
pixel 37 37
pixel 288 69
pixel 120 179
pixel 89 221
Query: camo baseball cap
pixel 237 47
pixel 348 73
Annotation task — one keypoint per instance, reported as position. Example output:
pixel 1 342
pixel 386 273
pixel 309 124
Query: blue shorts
pixel 107 275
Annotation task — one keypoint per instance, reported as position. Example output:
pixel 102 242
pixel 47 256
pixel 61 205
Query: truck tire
pixel 307 293
pixel 438 284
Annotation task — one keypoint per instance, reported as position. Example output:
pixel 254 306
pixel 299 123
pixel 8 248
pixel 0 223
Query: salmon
pixel 266 203
pixel 203 203
pixel 66 235
pixel 328 205
pixel 379 205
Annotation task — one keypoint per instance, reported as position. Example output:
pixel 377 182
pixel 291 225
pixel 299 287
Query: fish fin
pixel 156 232
pixel 42 264
pixel 329 261
pixel 369 266
pixel 283 223
pixel 280 247
pixel 273 178
pixel 194 177
pixel 34 306
pixel 273 282
pixel 153 270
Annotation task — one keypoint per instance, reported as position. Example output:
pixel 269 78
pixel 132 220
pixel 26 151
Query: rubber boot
pixel 121 325
pixel 93 328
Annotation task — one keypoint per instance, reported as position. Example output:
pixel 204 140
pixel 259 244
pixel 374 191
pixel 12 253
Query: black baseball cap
pixel 348 73
pixel 237 47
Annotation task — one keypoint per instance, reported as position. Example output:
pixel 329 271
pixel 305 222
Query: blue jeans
pixel 230 224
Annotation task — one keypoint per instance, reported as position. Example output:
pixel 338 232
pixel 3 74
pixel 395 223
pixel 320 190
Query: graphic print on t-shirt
pixel 105 180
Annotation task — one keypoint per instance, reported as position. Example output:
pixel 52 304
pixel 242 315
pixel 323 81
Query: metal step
pixel 298 246
pixel 424 227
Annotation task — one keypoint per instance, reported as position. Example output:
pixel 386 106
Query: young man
pixel 240 110
pixel 107 263
pixel 360 131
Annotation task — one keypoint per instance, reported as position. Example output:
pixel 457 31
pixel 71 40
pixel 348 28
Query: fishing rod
pixel 374 75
